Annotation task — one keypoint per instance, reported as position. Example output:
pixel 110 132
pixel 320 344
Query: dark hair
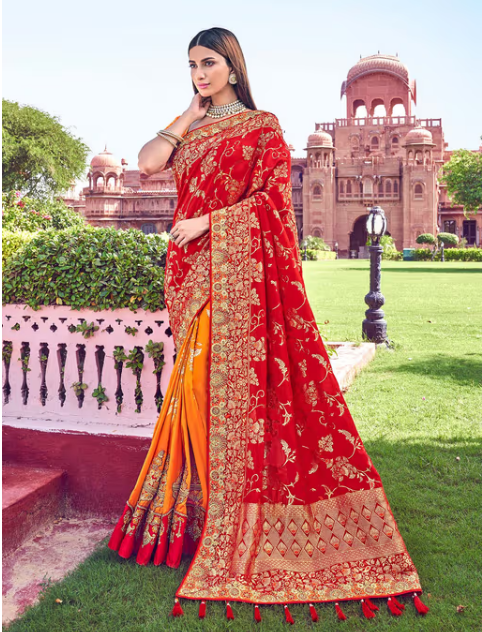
pixel 226 44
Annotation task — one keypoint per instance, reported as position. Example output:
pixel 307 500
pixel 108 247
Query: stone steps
pixel 33 498
pixel 40 543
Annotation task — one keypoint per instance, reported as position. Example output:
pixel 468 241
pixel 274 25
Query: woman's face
pixel 209 70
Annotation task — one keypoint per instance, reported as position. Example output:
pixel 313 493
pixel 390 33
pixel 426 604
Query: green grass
pixel 417 407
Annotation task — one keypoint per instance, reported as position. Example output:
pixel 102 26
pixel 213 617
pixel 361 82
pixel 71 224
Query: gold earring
pixel 232 79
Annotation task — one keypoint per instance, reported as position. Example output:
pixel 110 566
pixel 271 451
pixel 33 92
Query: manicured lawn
pixel 418 408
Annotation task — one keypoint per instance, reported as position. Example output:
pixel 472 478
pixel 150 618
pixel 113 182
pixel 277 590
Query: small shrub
pixel 12 242
pixel 96 268
pixel 31 215
pixel 422 254
pixel 316 243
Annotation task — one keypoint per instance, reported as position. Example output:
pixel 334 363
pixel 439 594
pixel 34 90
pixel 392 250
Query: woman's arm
pixel 155 154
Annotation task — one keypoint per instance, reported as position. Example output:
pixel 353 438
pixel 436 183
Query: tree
pixel 40 157
pixel 463 176
pixel 447 239
pixel 426 238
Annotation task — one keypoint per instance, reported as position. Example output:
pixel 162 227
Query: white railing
pixel 45 342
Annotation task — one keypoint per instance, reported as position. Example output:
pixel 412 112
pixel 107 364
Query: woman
pixel 255 466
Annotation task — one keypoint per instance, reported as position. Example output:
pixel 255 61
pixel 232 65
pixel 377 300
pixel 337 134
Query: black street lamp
pixel 374 328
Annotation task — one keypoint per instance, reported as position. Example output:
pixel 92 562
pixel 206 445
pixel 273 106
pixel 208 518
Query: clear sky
pixel 116 72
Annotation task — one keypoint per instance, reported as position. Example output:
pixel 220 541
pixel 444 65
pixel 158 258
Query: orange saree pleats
pixel 164 515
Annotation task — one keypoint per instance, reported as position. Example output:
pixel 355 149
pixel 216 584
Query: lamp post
pixel 305 246
pixel 374 328
pixel 336 250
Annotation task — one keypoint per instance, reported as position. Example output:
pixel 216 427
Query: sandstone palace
pixel 379 154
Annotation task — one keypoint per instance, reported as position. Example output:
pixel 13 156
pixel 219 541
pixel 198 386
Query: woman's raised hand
pixel 186 230
pixel 198 107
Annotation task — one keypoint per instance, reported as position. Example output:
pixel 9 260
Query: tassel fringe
pixel 368 607
pixel 177 611
pixel 367 611
pixel 339 612
pixel 314 615
pixel 421 607
pixel 289 618
pixel 371 605
pixel 393 608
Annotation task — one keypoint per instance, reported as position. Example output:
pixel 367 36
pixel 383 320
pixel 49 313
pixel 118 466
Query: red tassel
pixel 289 618
pixel 421 607
pixel 340 613
pixel 177 611
pixel 398 604
pixel 202 609
pixel 257 614
pixel 229 612
pixel 393 608
pixel 371 605
pixel 369 614
pixel 314 615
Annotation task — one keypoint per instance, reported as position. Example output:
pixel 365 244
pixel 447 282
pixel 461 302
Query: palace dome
pixel 418 136
pixel 105 161
pixel 320 138
pixel 377 63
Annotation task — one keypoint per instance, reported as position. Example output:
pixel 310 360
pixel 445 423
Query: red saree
pixel 296 511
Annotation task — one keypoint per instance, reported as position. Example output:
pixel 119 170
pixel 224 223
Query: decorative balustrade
pixel 369 196
pixel 54 372
pixel 377 121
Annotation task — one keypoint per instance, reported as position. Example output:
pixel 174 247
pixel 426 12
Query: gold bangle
pixel 176 136
pixel 168 138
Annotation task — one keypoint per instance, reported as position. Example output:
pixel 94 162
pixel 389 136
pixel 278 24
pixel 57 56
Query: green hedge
pixel 12 242
pixel 96 268
pixel 315 255
pixel 451 254
pixel 462 254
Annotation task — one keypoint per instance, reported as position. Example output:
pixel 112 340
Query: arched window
pixel 418 191
pixel 418 157
pixel 348 187
pixel 449 226
pixel 395 142
pixel 359 109
pixel 374 142
pixel 147 229
pixel 172 204
pixel 317 191
pixel 395 187
pixel 342 188
pixel 388 187
pixel 410 155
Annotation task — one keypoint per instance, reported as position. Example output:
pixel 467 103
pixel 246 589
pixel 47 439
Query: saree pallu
pixel 295 510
